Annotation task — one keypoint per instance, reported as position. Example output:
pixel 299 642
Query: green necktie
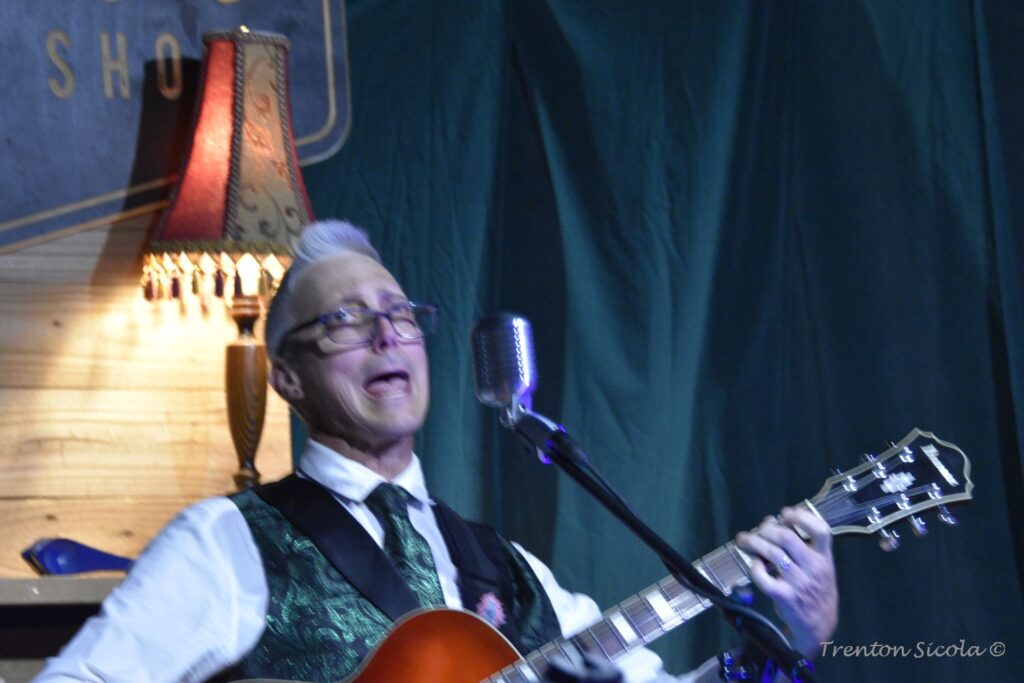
pixel 403 544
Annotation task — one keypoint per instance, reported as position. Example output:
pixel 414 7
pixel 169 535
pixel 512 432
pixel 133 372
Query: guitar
pixel 455 646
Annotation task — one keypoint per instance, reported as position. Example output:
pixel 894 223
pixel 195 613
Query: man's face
pixel 370 394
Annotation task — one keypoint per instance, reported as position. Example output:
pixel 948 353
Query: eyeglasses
pixel 350 326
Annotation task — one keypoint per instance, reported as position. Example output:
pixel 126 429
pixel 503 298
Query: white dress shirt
pixel 195 601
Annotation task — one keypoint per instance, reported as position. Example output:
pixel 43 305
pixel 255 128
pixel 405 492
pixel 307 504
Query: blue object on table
pixel 64 556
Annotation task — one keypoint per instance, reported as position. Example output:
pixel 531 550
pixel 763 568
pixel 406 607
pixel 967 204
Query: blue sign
pixel 98 99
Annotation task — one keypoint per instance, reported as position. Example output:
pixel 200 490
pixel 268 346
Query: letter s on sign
pixel 65 89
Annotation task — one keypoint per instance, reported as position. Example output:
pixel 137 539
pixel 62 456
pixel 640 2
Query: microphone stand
pixel 556 446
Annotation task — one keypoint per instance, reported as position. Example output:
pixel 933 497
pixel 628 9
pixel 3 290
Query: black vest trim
pixel 343 541
pixel 474 549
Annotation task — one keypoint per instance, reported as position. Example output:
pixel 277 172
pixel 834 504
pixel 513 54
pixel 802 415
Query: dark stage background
pixel 755 239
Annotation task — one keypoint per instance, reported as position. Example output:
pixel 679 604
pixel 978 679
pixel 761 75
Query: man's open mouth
pixel 388 384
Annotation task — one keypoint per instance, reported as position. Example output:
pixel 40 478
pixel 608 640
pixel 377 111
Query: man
pixel 303 578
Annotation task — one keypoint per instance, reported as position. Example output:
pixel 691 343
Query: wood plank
pixel 60 317
pixel 67 336
pixel 104 475
pixel 122 526
pixel 67 299
pixel 66 443
pixel 189 371
pixel 194 365
pixel 107 254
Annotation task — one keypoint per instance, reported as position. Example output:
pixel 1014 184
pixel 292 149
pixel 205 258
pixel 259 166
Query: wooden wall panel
pixel 56 442
pixel 62 336
pixel 108 254
pixel 112 412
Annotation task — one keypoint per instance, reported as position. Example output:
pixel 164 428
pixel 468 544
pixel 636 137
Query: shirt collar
pixel 348 478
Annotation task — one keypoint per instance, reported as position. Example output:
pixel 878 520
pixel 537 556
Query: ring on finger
pixel 784 563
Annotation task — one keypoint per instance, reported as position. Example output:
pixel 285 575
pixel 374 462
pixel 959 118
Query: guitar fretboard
pixel 638 620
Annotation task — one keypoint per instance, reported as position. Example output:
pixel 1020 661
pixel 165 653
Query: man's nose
pixel 384 335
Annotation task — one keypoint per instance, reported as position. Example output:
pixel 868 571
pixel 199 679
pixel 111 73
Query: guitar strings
pixel 861 509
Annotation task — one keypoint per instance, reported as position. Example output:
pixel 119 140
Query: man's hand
pixel 802 578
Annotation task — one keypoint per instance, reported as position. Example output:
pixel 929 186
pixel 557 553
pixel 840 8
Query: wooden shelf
pixel 57 590
pixel 38 615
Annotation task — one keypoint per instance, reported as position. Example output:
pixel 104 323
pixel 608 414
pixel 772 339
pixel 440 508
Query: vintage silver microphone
pixel 504 368
pixel 506 376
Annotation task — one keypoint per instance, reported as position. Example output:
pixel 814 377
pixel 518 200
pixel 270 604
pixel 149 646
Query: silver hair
pixel 318 241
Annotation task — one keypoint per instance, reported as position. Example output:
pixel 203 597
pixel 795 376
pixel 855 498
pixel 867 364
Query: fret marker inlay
pixel 629 636
pixel 527 672
pixel 666 614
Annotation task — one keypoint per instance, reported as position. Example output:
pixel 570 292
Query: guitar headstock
pixel 918 473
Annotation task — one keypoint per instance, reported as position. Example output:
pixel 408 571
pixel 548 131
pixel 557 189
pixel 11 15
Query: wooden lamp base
pixel 246 386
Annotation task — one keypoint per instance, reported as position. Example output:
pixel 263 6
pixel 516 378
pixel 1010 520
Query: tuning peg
pixel 867 457
pixel 889 541
pixel 836 471
pixel 918 525
pixel 947 517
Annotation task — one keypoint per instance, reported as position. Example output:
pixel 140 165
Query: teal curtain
pixel 755 239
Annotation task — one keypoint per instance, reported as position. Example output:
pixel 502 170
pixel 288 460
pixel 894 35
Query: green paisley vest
pixel 319 626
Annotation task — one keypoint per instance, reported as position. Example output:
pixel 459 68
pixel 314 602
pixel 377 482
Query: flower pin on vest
pixel 491 610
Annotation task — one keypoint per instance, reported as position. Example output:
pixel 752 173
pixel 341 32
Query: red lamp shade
pixel 240 191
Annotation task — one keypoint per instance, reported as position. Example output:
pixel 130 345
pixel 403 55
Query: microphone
pixel 506 375
pixel 503 364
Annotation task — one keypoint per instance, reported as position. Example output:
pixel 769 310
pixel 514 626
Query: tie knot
pixel 389 499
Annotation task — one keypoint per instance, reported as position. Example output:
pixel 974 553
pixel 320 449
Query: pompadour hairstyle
pixel 318 241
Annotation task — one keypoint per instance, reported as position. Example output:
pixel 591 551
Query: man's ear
pixel 285 381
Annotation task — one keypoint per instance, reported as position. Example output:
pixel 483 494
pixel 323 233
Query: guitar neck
pixel 638 620
pixel 918 473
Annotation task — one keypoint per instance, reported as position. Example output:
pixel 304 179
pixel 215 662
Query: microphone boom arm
pixel 554 445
